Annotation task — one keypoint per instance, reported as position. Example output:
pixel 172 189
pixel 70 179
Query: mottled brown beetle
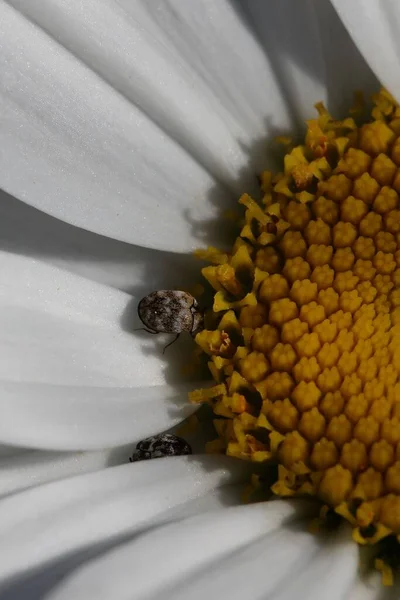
pixel 170 311
pixel 158 446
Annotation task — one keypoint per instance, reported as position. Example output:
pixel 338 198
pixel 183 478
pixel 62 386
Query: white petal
pixel 253 551
pixel 375 26
pixel 22 468
pixel 48 523
pixel 138 120
pixel 7 451
pixel 335 560
pixel 28 231
pixel 307 42
pixel 370 588
pixel 29 468
pixel 72 373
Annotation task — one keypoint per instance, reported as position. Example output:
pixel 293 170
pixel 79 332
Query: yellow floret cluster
pixel 305 341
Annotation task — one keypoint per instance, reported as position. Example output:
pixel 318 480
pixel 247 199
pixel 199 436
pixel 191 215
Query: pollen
pixel 312 425
pixel 267 259
pixel 317 232
pixel 296 269
pixel 329 299
pixel 294 449
pixel 364 247
pixel 323 276
pixel 328 210
pixel 293 244
pixel 282 311
pixel 283 357
pixel 253 316
pixel 353 210
pixel 283 415
pixel 297 215
pixel 273 287
pixel 386 201
pixel 342 260
pixel 383 169
pixel 254 366
pixel 316 333
pixel 371 224
pixel 324 455
pixel 265 338
pixel 355 163
pixel 319 254
pixel 344 234
pixel 276 386
pixel 366 187
pixel 336 485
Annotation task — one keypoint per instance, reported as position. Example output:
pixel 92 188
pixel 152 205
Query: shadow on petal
pixel 308 40
pixel 27 231
pixel 52 529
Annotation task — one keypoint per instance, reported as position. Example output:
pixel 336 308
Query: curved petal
pixel 337 560
pixel 29 468
pixel 126 118
pixel 7 451
pixel 72 374
pixel 239 552
pixel 370 588
pixel 375 29
pixel 22 468
pixel 30 232
pixel 45 525
pixel 309 43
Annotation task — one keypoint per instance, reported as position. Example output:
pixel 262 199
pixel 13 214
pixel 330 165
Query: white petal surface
pixel 233 553
pixel 101 535
pixel 49 523
pixel 336 560
pixel 28 468
pixel 22 468
pixel 126 118
pixel 370 588
pixel 308 43
pixel 30 232
pixel 7 451
pixel 375 27
pixel 72 374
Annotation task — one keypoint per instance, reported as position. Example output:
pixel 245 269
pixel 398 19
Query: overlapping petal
pixel 165 527
pixel 72 374
pixel 89 538
pixel 24 468
pixel 237 552
pixel 47 528
pixel 141 121
pixel 27 231
pixel 374 27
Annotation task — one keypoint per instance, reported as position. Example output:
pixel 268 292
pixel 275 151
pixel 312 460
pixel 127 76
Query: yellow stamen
pixel 315 335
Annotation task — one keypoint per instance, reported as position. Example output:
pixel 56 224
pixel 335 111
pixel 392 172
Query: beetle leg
pixel 148 330
pixel 173 341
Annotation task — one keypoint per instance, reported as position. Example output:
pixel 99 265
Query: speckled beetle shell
pixel 159 446
pixel 170 311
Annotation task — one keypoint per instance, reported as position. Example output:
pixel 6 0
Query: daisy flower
pixel 127 128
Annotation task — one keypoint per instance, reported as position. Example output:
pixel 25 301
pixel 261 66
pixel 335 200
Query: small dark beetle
pixel 158 446
pixel 170 311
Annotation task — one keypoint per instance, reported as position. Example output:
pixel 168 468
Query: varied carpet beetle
pixel 159 446
pixel 170 311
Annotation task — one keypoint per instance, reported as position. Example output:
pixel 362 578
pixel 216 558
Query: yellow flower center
pixel 304 341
